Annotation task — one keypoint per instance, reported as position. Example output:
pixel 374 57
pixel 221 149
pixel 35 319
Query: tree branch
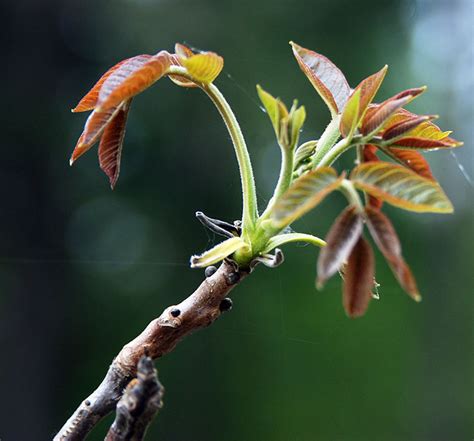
pixel 199 310
pixel 138 406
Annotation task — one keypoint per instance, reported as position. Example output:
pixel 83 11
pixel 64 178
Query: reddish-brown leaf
pixel 90 100
pixel 93 129
pixel 110 147
pixel 405 126
pixel 386 238
pixel 340 240
pixel 413 160
pixel 378 115
pixel 134 76
pixel 369 88
pixel 425 144
pixel 358 279
pixel 325 76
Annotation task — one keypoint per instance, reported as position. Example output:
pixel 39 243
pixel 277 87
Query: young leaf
pixel 89 101
pixel 204 67
pixel 358 279
pixel 218 253
pixel 368 89
pixel 325 76
pixel 401 187
pixel 405 126
pixel 342 237
pixel 411 159
pixel 350 115
pixel 282 239
pixel 110 147
pixel 181 52
pixel 304 194
pixel 272 106
pixel 387 241
pixel 297 119
pixel 377 116
pixel 132 77
pixel 93 129
pixel 425 144
pixel 304 151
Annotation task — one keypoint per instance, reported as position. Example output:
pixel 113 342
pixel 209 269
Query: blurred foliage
pixel 84 269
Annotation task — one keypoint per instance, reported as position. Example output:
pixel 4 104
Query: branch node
pixel 226 305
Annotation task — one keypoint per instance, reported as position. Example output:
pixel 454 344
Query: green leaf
pixel 282 239
pixel 340 241
pixel 272 106
pixel 387 241
pixel 304 194
pixel 325 76
pixel 350 116
pixel 297 119
pixel 401 187
pixel 304 151
pixel 358 279
pixel 218 253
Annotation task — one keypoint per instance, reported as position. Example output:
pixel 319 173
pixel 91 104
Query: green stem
pixel 327 140
pixel 349 191
pixel 249 194
pixel 285 178
pixel 334 153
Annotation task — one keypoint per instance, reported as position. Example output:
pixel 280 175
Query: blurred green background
pixel 84 269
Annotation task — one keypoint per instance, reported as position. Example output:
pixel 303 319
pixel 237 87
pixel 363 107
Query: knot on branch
pixel 139 404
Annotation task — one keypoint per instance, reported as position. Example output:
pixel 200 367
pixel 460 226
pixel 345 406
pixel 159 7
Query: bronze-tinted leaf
pixel 401 187
pixel 377 116
pixel 342 237
pixel 90 100
pixel 304 194
pixel 369 88
pixel 204 67
pixel 405 126
pixel 386 238
pixel 325 76
pixel 425 144
pixel 93 129
pixel 110 147
pixel 358 279
pixel 411 159
pixel 132 77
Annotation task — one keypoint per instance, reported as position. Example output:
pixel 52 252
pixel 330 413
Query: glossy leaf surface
pixel 93 129
pixel 404 126
pixel 401 187
pixel 424 144
pixel 110 147
pixel 132 77
pixel 304 194
pixel 325 76
pixel 387 241
pixel 369 88
pixel 358 279
pixel 90 99
pixel 340 241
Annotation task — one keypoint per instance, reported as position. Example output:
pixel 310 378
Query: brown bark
pixel 161 335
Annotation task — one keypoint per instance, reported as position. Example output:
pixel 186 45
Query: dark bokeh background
pixel 83 269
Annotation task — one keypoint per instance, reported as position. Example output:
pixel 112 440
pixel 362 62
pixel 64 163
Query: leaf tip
pixel 71 161
pixel 417 297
